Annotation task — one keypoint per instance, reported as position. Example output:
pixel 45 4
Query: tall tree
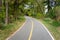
pixel 6 19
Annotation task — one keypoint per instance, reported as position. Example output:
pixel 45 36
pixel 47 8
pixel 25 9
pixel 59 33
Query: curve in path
pixel 32 30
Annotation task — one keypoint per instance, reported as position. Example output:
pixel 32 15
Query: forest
pixel 11 9
pixel 15 10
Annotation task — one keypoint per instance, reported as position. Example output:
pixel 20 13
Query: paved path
pixel 31 30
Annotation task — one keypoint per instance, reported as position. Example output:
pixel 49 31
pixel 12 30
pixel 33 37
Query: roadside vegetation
pixel 8 30
pixel 51 20
pixel 12 14
pixel 52 26
pixel 11 17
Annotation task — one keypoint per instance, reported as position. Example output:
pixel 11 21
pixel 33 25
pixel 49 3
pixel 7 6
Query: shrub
pixel 52 14
pixel 56 23
pixel 39 15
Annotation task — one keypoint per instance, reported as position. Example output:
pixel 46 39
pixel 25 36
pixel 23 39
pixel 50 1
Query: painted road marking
pixel 16 31
pixel 29 38
pixel 46 29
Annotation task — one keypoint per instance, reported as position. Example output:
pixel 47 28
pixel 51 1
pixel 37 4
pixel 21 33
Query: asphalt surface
pixel 32 30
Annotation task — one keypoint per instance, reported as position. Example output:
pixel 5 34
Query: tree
pixel 6 19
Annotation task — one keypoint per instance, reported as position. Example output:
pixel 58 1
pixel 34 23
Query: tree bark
pixel 6 19
pixel 0 5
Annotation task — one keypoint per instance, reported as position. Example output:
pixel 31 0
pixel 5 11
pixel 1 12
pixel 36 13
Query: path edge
pixel 16 31
pixel 45 28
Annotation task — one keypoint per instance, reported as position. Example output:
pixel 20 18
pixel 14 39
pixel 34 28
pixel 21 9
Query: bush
pixel 1 25
pixel 2 16
pixel 21 18
pixel 39 15
pixel 56 23
pixel 52 14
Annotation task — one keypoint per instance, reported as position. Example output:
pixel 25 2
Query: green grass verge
pixel 53 27
pixel 6 31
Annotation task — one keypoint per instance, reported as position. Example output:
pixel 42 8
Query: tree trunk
pixel 6 19
pixel 0 5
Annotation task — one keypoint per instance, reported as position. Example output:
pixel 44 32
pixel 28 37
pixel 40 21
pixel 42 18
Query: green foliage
pixel 52 22
pixel 2 16
pixel 39 15
pixel 21 18
pixel 56 23
pixel 52 27
pixel 57 12
pixel 7 30
pixel 16 9
pixel 52 14
pixel 29 13
pixel 1 25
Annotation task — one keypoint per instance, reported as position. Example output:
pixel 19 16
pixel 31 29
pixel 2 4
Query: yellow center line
pixel 29 38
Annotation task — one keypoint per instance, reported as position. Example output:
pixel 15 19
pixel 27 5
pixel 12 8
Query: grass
pixel 53 27
pixel 6 31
